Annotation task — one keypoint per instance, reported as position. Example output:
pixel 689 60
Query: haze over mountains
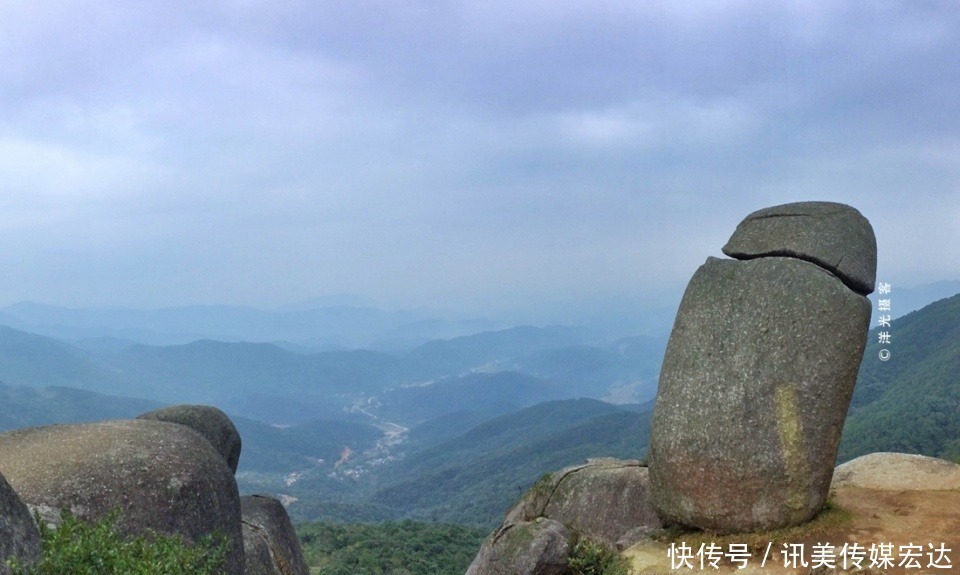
pixel 447 429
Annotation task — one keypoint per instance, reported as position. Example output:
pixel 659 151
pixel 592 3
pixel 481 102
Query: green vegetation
pixel 910 403
pixel 592 558
pixel 404 548
pixel 473 479
pixel 81 548
pixel 271 449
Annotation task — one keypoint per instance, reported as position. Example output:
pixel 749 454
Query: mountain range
pixel 910 402
pixel 267 382
pixel 448 430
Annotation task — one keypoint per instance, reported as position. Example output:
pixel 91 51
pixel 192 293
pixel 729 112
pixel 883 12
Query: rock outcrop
pixel 210 422
pixel 270 544
pixel 605 500
pixel 160 476
pixel 759 371
pixel 19 536
pixel 537 547
pixel 898 471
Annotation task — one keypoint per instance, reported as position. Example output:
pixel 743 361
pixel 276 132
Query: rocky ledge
pixel 169 471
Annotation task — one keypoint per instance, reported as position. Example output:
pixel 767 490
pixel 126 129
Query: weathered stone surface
pixel 603 500
pixel 898 471
pixel 269 541
pixel 538 547
pixel 161 476
pixel 19 536
pixel 209 422
pixel 606 500
pixel 834 236
pixel 754 390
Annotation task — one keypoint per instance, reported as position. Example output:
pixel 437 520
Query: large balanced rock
pixel 755 385
pixel 209 422
pixel 270 544
pixel 19 536
pixel 160 476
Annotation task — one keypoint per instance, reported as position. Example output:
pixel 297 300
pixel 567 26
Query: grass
pixel 592 558
pixel 77 547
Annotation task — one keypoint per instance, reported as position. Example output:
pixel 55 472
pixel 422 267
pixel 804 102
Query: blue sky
pixel 464 155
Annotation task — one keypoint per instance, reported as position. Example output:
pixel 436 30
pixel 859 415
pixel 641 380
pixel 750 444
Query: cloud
pixel 424 151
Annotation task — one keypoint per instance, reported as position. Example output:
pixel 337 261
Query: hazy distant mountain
pixel 289 384
pixel 491 350
pixel 30 359
pixel 475 477
pixel 407 337
pixel 229 374
pixel 905 300
pixel 910 403
pixel 486 393
pixel 22 406
pixel 631 364
pixel 265 448
pixel 259 380
pixel 319 328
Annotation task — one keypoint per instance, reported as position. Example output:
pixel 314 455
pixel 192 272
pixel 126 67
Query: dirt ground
pixel 917 524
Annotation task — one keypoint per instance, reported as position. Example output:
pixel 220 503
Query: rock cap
pixel 835 236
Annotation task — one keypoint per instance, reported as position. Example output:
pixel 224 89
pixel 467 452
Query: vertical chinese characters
pixel 883 321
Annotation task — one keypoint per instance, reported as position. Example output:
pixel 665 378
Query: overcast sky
pixel 470 155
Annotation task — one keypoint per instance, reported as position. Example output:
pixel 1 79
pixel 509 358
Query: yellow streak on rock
pixel 791 443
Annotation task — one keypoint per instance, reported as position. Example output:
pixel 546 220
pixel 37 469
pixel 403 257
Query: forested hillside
pixel 910 403
pixel 399 548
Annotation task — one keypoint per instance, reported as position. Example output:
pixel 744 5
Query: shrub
pixel 80 548
pixel 592 558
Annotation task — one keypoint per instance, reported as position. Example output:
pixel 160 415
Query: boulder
pixel 160 476
pixel 19 536
pixel 538 547
pixel 754 389
pixel 834 236
pixel 603 500
pixel 898 471
pixel 270 544
pixel 209 422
